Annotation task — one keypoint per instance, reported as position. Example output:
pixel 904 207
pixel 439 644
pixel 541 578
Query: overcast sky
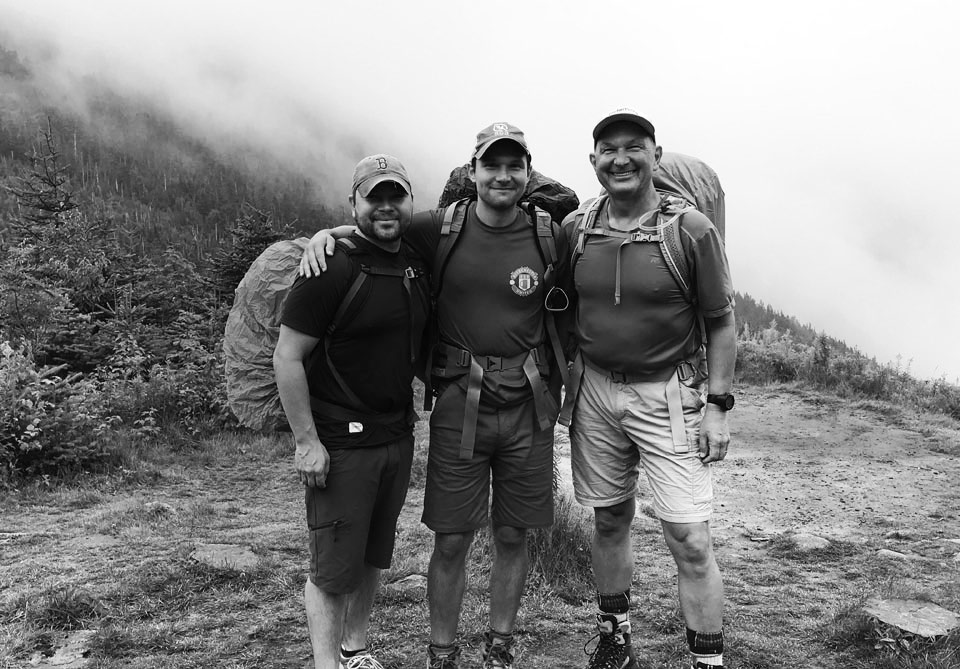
pixel 832 125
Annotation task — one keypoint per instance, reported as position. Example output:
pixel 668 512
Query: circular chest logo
pixel 523 281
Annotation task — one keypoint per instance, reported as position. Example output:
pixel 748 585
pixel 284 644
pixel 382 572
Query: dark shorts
pixel 510 446
pixel 353 520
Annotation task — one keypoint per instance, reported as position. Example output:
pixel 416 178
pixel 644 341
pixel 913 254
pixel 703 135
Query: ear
pixel 472 171
pixel 352 199
pixel 593 160
pixel 657 154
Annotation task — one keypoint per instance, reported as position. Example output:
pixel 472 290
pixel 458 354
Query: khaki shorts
pixel 617 427
pixel 353 520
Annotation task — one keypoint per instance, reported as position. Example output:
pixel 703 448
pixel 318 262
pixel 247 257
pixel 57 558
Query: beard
pixel 375 230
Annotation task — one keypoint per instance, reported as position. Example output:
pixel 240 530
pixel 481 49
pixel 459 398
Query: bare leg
pixel 698 577
pixel 359 604
pixel 325 622
pixel 612 551
pixel 446 579
pixel 507 576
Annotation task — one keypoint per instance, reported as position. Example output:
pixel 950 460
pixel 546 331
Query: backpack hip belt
pixel 458 361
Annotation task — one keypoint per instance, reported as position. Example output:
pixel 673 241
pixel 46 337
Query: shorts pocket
pixel 330 562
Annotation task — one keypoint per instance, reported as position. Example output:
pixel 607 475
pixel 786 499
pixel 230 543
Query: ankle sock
pixel 347 654
pixel 614 602
pixel 706 648
pixel 438 650
pixel 500 637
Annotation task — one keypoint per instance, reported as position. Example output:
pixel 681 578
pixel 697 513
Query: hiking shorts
pixel 353 520
pixel 617 427
pixel 509 447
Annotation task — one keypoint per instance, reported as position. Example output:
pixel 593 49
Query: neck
pixel 623 212
pixel 391 246
pixel 495 218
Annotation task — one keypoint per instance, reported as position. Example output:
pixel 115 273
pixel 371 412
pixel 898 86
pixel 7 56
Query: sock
pixel 347 654
pixel 438 650
pixel 500 637
pixel 616 604
pixel 706 648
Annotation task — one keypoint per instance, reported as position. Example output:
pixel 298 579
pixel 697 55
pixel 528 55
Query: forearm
pixel 721 353
pixel 295 397
pixel 341 231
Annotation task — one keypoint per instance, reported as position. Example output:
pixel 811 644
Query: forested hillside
pixel 122 237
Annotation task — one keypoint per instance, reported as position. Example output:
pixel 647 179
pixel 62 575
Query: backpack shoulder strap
pixel 671 247
pixel 450 227
pixel 585 219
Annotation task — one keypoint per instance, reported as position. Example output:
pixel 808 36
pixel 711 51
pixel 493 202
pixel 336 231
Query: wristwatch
pixel 723 400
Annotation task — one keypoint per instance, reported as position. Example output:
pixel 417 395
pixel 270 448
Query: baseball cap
pixel 376 169
pixel 495 132
pixel 627 115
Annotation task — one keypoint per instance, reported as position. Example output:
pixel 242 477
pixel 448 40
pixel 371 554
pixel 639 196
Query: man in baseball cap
pixel 644 337
pixel 344 364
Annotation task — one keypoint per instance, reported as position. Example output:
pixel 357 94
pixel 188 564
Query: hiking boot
pixel 449 661
pixel 701 665
pixel 361 661
pixel 497 654
pixel 613 650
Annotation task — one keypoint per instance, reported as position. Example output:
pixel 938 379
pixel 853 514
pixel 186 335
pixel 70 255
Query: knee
pixel 452 547
pixel 509 539
pixel 614 521
pixel 691 546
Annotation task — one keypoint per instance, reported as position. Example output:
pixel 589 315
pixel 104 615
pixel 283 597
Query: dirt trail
pixel 797 463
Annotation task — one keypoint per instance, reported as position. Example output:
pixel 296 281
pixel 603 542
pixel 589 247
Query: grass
pixel 110 553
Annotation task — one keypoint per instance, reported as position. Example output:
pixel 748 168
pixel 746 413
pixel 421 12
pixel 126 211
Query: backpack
pixel 253 328
pixel 450 228
pixel 546 193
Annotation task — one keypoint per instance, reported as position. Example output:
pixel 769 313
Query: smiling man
pixel 654 313
pixel 496 384
pixel 344 364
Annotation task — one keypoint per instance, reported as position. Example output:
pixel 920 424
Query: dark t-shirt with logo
pixel 491 302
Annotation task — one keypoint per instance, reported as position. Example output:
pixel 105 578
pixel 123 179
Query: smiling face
pixel 501 174
pixel 384 213
pixel 625 158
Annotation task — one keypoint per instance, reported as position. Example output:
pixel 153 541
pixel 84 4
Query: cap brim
pixel 636 120
pixel 483 147
pixel 365 187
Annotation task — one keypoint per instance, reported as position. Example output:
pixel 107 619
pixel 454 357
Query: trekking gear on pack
pixel 253 328
pixel 251 333
pixel 694 181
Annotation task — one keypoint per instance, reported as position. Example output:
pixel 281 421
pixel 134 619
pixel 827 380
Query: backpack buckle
pixel 411 273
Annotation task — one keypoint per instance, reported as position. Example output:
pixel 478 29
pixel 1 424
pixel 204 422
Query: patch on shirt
pixel 523 281
pixel 354 428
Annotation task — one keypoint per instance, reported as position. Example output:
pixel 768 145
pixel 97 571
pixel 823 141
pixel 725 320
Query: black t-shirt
pixel 371 345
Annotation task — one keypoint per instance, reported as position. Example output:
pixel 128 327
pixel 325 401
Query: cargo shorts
pixel 511 456
pixel 353 520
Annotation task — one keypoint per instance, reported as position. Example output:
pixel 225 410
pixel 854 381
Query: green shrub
pixel 48 423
